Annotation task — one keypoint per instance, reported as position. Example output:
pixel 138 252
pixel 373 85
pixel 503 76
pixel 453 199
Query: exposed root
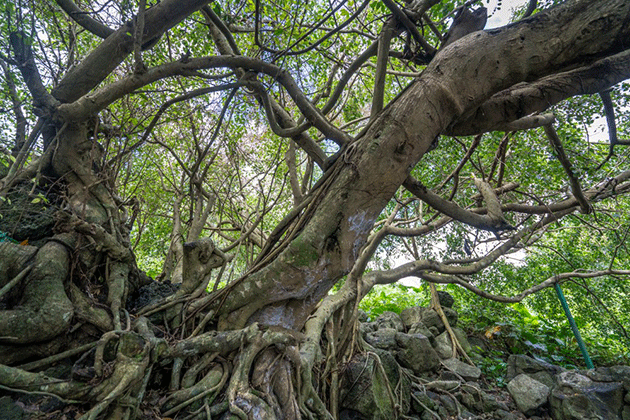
pixel 44 311
pixel 457 346
pixel 211 383
pixel 132 362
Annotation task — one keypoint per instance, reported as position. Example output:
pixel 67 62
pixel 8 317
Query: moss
pixel 302 253
pixel 24 219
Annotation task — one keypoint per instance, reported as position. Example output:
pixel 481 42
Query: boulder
pixel 444 346
pixel 431 319
pixel 411 316
pixel 367 396
pixel 416 353
pixel 384 338
pixel 445 298
pixel 390 319
pixel 421 401
pixel 528 394
pixel 611 374
pixel 536 369
pixel 420 328
pixel 366 327
pixel 577 397
pixel 462 369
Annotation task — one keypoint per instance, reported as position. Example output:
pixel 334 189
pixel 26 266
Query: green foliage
pixel 394 298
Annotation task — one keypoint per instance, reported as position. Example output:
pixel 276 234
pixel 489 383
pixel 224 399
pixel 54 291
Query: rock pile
pixel 408 371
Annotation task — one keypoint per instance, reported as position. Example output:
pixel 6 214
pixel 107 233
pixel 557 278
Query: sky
pixel 502 16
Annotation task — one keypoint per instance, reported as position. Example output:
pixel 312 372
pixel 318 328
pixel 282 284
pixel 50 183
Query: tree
pixel 83 79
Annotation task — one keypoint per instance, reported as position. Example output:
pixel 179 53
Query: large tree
pixel 102 79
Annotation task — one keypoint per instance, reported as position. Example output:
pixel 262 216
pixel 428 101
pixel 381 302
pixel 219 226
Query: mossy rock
pixel 25 216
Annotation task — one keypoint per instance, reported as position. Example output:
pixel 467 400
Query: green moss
pixel 302 253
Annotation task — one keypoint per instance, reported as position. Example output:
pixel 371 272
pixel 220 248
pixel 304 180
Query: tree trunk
pixel 264 329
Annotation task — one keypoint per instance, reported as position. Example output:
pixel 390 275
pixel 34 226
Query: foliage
pixel 394 298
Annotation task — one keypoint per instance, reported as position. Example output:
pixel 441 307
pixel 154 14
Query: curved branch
pixel 528 98
pixel 531 6
pixel 84 20
pixel 318 25
pixel 454 211
pixel 576 189
pixel 411 28
pixel 21 47
pixel 188 95
pixel 352 69
pixel 99 64
pixel 91 104
pixel 216 20
pixel 559 278
pixel 492 202
pixel 226 46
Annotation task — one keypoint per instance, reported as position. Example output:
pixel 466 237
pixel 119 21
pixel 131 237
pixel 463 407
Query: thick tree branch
pixel 609 109
pixel 492 203
pixel 84 20
pixel 526 99
pixel 99 64
pixel 42 99
pixel 20 119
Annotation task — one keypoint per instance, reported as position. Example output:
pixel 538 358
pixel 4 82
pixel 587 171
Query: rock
pixel 473 398
pixel 507 415
pixel 411 316
pixel 449 404
pixel 467 415
pixel 491 403
pixel 477 344
pixel 390 319
pixel 151 293
pixel 431 319
pixel 23 219
pixel 577 397
pixel 420 328
pixel 536 369
pixel 464 370
pixel 445 298
pixel 50 404
pixel 384 338
pixel 611 374
pixel 625 414
pixel 416 353
pixel 444 346
pixel 447 375
pixel 443 385
pixel 350 415
pixel 366 327
pixel 528 394
pixel 420 401
pixel 368 395
pixel 9 410
pixel 469 401
pixel 362 316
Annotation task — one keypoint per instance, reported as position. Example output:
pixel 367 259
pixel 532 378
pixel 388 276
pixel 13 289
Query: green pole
pixel 574 328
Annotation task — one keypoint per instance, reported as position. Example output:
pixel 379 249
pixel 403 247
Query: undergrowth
pixel 500 330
